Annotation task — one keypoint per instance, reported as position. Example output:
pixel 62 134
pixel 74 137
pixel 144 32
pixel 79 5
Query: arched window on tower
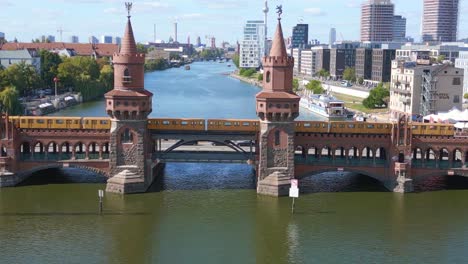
pixel 127 78
pixel 268 76
pixel 277 138
pixel 127 136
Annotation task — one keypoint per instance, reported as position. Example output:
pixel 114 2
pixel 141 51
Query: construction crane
pixel 60 31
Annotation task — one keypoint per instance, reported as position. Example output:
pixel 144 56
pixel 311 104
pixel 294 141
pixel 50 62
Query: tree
pixel 247 72
pixel 235 60
pixel 23 77
pixel 260 77
pixel 295 85
pixel 323 73
pixel 349 74
pixel 49 66
pixel 378 97
pixel 141 48
pixel 465 96
pixel 440 58
pixel 78 68
pixel 158 64
pixel 360 80
pixel 315 87
pixel 107 77
pixel 9 100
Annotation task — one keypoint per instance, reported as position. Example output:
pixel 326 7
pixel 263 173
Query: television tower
pixel 265 11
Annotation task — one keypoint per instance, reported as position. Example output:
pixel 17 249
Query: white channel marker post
pixel 294 192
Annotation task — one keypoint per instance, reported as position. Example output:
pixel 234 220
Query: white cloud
pixel 315 11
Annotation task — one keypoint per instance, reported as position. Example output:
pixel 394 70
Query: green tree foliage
pixel 378 97
pixel 9 101
pixel 49 66
pixel 323 73
pixel 315 86
pixel 349 74
pixel 295 85
pixel 235 60
pixel 22 76
pixel 175 56
pixel 141 48
pixel 106 77
pixel 78 68
pixel 465 96
pixel 247 72
pixel 360 80
pixel 158 64
pixel 260 77
pixel 211 54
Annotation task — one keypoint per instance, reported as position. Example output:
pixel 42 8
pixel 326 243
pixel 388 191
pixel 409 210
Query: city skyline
pixel 195 18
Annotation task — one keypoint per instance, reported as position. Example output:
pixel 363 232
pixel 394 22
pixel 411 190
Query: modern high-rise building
pixel 93 40
pixel 462 63
pixel 198 41
pixel 399 29
pixel 74 39
pixel 364 63
pixel 300 37
pixel 377 20
pixel 440 20
pixel 106 39
pixel 252 48
pixel 116 40
pixel 2 36
pixel 175 32
pixel 332 37
pixel 48 38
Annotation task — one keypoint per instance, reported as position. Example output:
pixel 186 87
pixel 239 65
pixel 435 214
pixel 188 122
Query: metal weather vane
pixel 129 5
pixel 279 11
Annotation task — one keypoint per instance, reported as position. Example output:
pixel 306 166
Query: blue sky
pixel 223 19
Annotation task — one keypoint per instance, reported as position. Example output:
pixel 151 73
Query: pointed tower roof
pixel 278 49
pixel 128 41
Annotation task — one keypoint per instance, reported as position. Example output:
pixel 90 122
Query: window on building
pixel 127 136
pixel 456 81
pixel 456 99
pixel 277 138
pixel 127 78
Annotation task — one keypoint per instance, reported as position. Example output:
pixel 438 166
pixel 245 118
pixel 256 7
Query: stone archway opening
pixel 80 151
pixel 457 159
pixel 66 151
pixel 344 181
pixel 4 152
pixel 94 151
pixel 444 159
pixel 25 151
pixel 53 152
pixel 55 174
pixel 430 159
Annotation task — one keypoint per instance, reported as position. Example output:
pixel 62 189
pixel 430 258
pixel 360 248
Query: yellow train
pixel 238 125
pixel 343 127
pixel 32 122
pixel 430 129
pixel 176 124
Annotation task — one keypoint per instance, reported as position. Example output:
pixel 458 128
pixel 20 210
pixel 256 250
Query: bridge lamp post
pixel 56 80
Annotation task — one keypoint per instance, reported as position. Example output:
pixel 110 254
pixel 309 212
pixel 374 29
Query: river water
pixel 208 213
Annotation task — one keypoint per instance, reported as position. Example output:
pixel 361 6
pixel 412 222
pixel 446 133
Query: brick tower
pixel 129 105
pixel 277 107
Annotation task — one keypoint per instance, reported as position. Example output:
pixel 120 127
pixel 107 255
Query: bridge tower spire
pixel 129 105
pixel 277 107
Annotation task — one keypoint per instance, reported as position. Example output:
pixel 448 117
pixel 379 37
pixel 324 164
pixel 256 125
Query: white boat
pixel 324 105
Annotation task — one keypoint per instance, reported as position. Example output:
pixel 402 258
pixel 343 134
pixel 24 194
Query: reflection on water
pixel 211 214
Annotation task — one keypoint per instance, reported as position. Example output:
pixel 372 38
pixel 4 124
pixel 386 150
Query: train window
pixel 342 125
pixel 246 124
pixel 351 126
pixel 379 126
pixel 227 123
pixel 184 123
pixel 23 121
pixel 307 124
pixel 94 122
pixel 201 123
pixel 104 122
pixel 414 127
pixel 76 122
pixel 370 126
pixel 59 121
pixel 324 125
pixel 40 121
pixel 166 123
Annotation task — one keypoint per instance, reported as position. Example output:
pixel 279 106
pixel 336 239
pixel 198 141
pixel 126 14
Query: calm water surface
pixel 209 213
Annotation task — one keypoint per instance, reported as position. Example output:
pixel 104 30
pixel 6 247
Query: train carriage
pixel 425 129
pixel 97 123
pixel 312 127
pixel 30 122
pixel 176 124
pixel 238 125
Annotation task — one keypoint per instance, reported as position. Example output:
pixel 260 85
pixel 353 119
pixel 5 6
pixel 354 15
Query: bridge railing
pixel 340 161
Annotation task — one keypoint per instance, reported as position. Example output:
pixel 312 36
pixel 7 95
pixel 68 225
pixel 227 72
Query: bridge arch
pixel 312 172
pixel 228 144
pixel 66 152
pixel 3 152
pixel 79 150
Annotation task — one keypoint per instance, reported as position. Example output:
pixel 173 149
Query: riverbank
pixel 250 81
